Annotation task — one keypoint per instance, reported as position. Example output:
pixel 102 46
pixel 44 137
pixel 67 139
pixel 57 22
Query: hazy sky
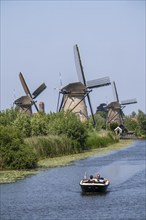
pixel 37 39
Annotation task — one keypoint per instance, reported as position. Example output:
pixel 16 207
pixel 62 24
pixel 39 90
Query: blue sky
pixel 37 39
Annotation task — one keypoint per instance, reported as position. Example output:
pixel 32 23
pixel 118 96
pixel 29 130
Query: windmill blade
pixel 35 106
pixel 122 114
pixel 24 85
pixel 115 93
pixel 61 103
pixel 58 101
pixel 104 81
pixel 39 90
pixel 128 102
pixel 79 66
pixel 88 97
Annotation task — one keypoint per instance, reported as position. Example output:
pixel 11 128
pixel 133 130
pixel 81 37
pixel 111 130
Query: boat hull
pixel 94 187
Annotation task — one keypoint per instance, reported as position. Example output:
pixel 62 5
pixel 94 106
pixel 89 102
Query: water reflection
pixel 95 193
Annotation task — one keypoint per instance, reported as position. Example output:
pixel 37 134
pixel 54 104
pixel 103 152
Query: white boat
pixel 97 184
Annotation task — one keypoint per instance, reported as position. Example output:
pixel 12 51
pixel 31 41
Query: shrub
pixel 8 116
pixel 113 125
pixel 67 123
pixel 14 153
pixel 39 124
pixel 98 140
pixel 22 122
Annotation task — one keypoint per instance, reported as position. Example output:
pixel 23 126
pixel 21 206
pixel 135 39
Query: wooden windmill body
pixel 114 113
pixel 115 109
pixel 74 100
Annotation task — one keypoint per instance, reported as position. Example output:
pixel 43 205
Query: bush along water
pixel 14 153
pixel 99 140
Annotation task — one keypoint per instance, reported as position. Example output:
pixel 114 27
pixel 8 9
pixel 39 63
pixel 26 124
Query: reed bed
pixel 53 145
pixel 99 140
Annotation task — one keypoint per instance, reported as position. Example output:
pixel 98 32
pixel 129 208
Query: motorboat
pixel 94 184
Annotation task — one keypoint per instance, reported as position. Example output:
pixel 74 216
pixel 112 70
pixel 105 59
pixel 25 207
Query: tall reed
pixel 59 145
pixel 53 145
pixel 99 140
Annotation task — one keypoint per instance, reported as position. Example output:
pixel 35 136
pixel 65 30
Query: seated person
pixel 91 179
pixel 97 177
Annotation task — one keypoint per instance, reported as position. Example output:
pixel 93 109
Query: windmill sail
pixel 105 81
pixel 39 90
pixel 25 103
pixel 128 102
pixel 79 66
pixel 24 85
pixel 115 93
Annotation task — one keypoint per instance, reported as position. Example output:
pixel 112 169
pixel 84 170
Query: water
pixel 55 194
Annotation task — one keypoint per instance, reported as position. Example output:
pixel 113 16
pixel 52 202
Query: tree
pixel 141 117
pixel 131 123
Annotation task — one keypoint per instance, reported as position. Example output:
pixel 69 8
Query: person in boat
pixel 93 179
pixel 97 177
pixel 100 179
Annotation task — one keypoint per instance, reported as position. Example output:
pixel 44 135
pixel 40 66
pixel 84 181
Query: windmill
pixel 25 103
pixel 115 109
pixel 74 94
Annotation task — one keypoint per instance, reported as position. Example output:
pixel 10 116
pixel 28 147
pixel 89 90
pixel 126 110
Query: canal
pixel 55 194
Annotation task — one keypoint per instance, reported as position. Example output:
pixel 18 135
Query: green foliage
pixel 136 123
pixel 8 116
pixel 23 123
pixel 131 124
pixel 14 154
pixel 39 124
pixel 68 124
pixel 113 125
pixel 141 117
pixel 53 145
pixel 98 140
pixel 100 121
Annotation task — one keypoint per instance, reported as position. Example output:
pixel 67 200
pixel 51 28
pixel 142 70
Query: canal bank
pixel 9 176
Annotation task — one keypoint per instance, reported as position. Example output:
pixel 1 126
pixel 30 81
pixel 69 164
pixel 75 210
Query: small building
pixel 118 130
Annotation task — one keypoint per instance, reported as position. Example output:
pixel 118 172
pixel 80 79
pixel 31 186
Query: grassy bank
pixel 14 175
pixel 11 176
